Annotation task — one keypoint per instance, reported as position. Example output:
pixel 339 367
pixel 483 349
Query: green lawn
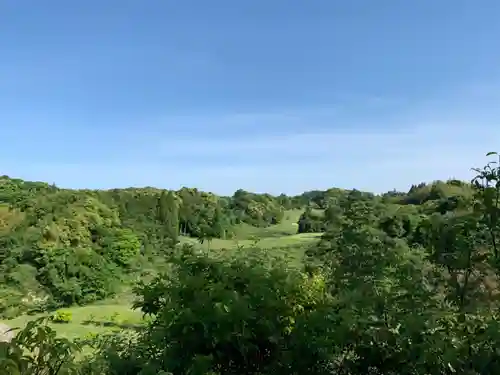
pixel 98 318
pixel 276 236
pixel 282 239
pixel 262 242
pixel 287 227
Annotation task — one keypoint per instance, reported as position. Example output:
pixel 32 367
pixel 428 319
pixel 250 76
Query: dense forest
pixel 397 283
pixel 75 246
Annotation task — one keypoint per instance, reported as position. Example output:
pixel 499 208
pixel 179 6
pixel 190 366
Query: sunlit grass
pixel 95 319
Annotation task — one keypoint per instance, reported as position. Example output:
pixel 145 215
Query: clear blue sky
pixel 266 95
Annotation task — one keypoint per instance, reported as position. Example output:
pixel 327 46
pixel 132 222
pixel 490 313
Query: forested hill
pixel 155 214
pixel 322 208
pixel 147 210
pixel 76 246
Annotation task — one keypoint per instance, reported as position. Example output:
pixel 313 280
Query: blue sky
pixel 269 96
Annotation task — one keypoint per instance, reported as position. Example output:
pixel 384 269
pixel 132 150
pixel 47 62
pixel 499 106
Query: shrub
pixel 36 350
pixel 247 315
pixel 62 316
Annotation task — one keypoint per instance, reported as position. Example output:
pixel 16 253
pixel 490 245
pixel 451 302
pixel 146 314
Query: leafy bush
pixel 62 316
pixel 36 350
pixel 242 316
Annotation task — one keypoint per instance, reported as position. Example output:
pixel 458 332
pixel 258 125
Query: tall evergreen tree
pixel 161 214
pixel 219 223
pixel 168 215
pixel 172 217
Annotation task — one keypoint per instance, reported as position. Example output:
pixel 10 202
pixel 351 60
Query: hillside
pixel 102 262
pixel 78 246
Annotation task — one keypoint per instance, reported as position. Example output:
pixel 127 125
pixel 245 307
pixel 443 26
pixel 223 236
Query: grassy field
pixel 98 318
pixel 117 314
pixel 281 238
pixel 281 235
pixel 287 227
pixel 263 242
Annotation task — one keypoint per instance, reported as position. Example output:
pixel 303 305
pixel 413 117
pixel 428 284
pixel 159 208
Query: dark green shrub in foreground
pixel 245 316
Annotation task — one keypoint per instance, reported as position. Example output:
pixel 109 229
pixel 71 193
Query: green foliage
pixel 311 222
pixel 121 246
pixel 227 317
pixel 402 283
pixel 62 316
pixel 256 209
pixel 168 214
pixel 37 351
pixel 62 247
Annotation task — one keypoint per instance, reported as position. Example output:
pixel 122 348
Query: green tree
pixel 244 316
pixel 122 246
pixel 172 218
pixel 168 214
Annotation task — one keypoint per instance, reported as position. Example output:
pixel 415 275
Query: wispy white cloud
pixel 293 163
pixel 438 141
